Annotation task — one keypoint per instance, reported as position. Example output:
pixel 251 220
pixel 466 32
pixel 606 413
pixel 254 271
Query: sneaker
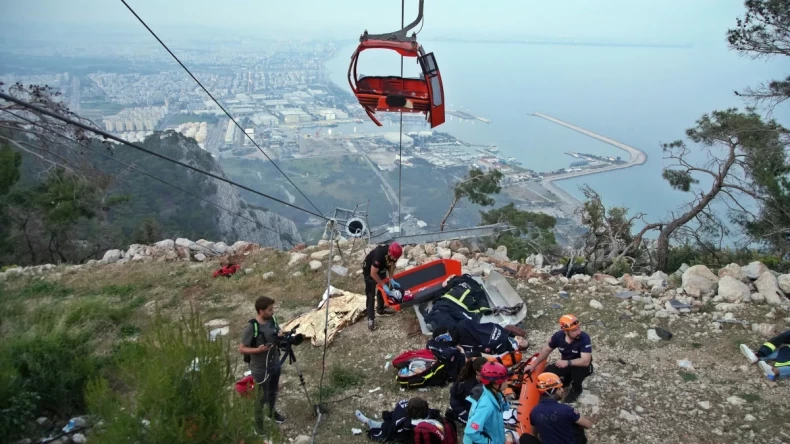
pixel 278 418
pixel 371 324
pixel 766 368
pixel 386 311
pixel 572 396
pixel 748 353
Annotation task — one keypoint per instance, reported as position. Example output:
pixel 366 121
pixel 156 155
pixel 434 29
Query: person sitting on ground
pixel 485 424
pixel 487 338
pixel 777 349
pixel 467 379
pixel 400 423
pixel 575 352
pixel 553 422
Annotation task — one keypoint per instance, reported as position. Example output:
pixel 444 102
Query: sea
pixel 640 96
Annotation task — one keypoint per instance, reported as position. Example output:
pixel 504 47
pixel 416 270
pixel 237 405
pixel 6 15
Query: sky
pixel 635 21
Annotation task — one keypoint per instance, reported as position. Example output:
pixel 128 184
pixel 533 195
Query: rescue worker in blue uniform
pixel 462 298
pixel 553 422
pixel 777 349
pixel 575 362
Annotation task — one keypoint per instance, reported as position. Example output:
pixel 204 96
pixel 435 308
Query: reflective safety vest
pixel 460 302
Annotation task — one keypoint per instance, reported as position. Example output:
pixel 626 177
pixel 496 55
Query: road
pixel 388 191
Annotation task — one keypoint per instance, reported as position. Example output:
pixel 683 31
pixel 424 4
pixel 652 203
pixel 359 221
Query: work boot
pixel 573 395
pixel 371 324
pixel 748 353
pixel 766 368
pixel 386 311
pixel 278 418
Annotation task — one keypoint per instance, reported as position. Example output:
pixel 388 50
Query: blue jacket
pixel 485 424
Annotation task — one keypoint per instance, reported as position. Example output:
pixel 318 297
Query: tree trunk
pixel 449 212
pixel 662 249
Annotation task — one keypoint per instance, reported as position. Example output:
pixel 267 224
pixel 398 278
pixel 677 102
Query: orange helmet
pixel 568 322
pixel 548 381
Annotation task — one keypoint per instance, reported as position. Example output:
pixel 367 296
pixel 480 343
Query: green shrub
pixel 158 396
pixel 43 375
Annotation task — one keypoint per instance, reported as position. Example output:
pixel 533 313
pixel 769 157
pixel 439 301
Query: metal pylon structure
pixel 352 223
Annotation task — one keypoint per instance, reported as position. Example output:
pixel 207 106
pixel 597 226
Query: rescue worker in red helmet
pixel 377 265
pixel 575 361
pixel 485 424
pixel 553 422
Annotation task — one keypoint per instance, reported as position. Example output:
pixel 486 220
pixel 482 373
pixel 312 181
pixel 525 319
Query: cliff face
pixel 280 232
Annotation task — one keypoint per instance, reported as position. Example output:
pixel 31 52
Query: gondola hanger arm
pixel 397 36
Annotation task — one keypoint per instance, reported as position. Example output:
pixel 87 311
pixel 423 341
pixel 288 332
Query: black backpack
pixel 254 338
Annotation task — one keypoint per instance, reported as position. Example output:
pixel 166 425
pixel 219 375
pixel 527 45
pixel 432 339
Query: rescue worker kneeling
pixel 553 422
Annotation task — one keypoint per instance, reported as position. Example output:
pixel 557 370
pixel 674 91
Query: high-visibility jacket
pixel 780 344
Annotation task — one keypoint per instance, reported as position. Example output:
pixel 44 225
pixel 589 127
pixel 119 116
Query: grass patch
pixel 688 377
pixel 696 345
pixel 340 380
pixel 119 290
pixel 750 397
pixel 42 288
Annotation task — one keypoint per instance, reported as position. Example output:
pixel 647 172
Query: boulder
pixel 596 305
pixel 456 245
pixel 320 255
pixel 339 270
pixel 183 242
pixel 605 278
pixel 460 258
pixel 784 283
pixel 315 265
pixel 733 290
pixel 763 330
pixel 430 249
pixel 631 283
pixel 221 247
pixel 296 258
pixel 200 257
pixel 444 253
pixel 268 275
pixel 416 252
pixel 754 270
pixel 699 280
pixel 768 287
pixel 402 263
pixel 111 256
pixel 580 278
pixel 733 270
pixel 166 244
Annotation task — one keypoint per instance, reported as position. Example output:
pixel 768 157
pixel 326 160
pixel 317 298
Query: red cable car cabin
pixel 393 93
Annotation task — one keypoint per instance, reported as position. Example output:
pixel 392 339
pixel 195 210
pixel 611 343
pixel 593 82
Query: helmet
pixel 510 417
pixel 568 322
pixel 548 381
pixel 395 250
pixel 493 372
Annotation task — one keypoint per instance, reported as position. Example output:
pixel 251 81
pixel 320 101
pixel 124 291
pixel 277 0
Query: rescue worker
pixel 484 338
pixel 468 379
pixel 575 362
pixel 553 422
pixel 485 424
pixel 462 298
pixel 777 349
pixel 377 265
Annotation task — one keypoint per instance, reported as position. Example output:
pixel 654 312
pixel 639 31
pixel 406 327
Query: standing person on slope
pixel 377 265
pixel 258 340
pixel 485 424
pixel 575 353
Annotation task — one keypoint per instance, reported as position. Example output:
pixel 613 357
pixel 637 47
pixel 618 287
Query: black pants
pixel 529 439
pixel 373 297
pixel 573 376
pixel 268 383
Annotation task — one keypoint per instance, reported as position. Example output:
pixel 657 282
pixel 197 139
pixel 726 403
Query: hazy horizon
pixel 621 21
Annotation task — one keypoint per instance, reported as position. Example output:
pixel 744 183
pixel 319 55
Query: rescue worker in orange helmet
pixel 575 361
pixel 377 265
pixel 553 422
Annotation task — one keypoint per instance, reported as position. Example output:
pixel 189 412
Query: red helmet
pixel 395 250
pixel 493 372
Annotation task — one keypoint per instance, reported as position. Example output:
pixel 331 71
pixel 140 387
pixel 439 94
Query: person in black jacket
pixel 398 424
pixel 462 298
pixel 379 263
pixel 484 338
pixel 462 387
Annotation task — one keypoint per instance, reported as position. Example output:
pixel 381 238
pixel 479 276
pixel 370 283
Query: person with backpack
pixel 467 379
pixel 486 424
pixel 407 419
pixel 258 344
pixel 575 352
pixel 553 422
pixel 488 338
pixel 377 265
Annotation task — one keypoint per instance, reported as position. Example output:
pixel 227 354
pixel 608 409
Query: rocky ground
pixel 693 387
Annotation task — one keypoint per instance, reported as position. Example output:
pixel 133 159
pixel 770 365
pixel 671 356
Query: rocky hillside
pixel 667 365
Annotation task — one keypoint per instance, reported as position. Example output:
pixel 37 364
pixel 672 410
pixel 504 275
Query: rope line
pixel 218 104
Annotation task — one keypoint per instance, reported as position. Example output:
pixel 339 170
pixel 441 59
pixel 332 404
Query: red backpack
pixel 427 433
